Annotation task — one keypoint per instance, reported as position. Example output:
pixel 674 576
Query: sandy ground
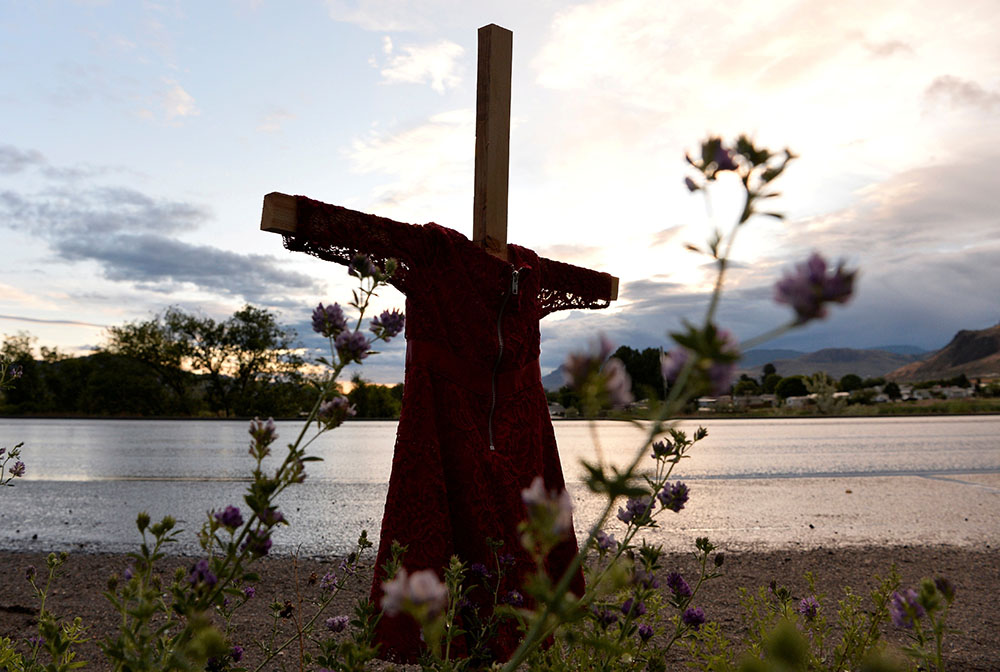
pixel 974 571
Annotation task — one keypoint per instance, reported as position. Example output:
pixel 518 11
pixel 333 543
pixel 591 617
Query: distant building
pixel 799 402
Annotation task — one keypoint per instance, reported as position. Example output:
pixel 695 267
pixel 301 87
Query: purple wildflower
pixel 352 346
pixel 554 509
pixel 17 470
pixel 662 449
pixel 128 573
pixel 201 574
pixel 810 287
pixel 617 382
pixel 636 608
pixel 422 589
pixel 674 362
pixel 645 632
pixel 333 412
pixel 230 517
pixel 514 599
pixel 605 617
pixel 637 510
pixel 328 582
pixel 258 543
pixel 677 584
pixel 15 371
pixel 605 541
pixel 249 591
pixel 579 366
pixel 388 325
pixel 674 496
pixel 271 516
pixel 945 587
pixel 724 159
pixel 693 617
pixel 263 434
pixel 329 320
pixel 35 641
pixel 236 653
pixel 905 608
pixel 721 373
pixel 337 623
pixel 480 571
pixel 808 607
pixel 508 560
pixel 645 579
pixel 361 266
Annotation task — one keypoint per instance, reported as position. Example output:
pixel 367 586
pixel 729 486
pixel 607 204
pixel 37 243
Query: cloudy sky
pixel 137 140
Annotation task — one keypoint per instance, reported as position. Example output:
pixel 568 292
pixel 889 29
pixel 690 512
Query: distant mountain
pixel 902 349
pixel 761 356
pixel 974 353
pixel 554 380
pixel 835 362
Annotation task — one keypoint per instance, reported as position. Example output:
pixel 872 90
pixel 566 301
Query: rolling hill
pixel 975 353
pixel 836 362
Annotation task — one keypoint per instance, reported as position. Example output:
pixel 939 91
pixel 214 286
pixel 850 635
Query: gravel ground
pixel 974 571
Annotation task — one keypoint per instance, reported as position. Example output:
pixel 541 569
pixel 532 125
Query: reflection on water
pixel 87 478
pixel 361 452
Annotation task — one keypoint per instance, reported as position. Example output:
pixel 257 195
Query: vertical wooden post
pixel 489 219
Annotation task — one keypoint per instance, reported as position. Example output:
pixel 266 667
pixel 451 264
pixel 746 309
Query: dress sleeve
pixel 565 286
pixel 337 234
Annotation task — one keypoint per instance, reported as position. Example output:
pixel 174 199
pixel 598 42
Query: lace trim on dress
pixel 337 234
pixel 566 287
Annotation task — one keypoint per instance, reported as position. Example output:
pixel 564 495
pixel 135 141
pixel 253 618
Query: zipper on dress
pixel 496 367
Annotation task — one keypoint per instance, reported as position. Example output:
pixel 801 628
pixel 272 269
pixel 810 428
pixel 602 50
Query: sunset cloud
pixel 425 164
pixel 436 64
pixel 178 103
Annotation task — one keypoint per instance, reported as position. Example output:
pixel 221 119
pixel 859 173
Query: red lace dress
pixel 474 429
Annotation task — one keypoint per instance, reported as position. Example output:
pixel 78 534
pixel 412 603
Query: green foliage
pixel 238 356
pixel 374 401
pixel 644 370
pixel 770 382
pixel 958 381
pixel 864 396
pixel 824 387
pixel 785 633
pixel 792 386
pixel 746 386
pixel 172 364
pixel 850 382
pixel 56 640
pixel 569 398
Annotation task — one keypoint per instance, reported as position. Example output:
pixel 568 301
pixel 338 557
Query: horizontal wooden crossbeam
pixel 280 215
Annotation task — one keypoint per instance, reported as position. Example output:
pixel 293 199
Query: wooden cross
pixel 489 215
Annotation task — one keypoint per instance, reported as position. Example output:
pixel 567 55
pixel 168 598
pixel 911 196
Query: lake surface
pixel 755 483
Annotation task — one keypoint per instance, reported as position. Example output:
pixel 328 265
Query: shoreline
pixel 699 416
pixel 975 573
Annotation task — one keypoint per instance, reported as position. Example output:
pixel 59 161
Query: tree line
pixel 643 366
pixel 180 364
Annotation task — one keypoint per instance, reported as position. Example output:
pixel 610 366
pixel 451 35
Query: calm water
pixel 754 482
